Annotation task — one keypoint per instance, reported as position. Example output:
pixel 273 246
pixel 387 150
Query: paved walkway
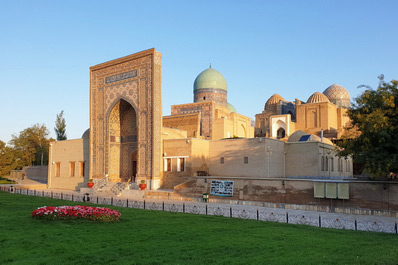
pixel 313 218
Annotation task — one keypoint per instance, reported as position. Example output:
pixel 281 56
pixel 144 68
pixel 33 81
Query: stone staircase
pixel 104 188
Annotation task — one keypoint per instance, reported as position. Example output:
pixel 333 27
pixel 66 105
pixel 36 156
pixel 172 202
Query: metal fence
pixel 325 220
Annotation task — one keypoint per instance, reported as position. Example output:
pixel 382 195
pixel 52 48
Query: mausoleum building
pixel 129 141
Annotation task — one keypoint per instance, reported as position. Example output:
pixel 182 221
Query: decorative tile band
pixel 119 77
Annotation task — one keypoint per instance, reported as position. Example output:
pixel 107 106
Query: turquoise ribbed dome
pixel 231 108
pixel 210 79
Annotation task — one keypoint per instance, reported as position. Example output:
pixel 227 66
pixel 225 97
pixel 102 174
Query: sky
pixel 293 48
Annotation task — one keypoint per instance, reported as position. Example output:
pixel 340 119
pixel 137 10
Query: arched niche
pixel 122 141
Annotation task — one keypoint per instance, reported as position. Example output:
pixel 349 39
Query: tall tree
pixel 32 143
pixel 375 116
pixel 60 127
pixel 9 159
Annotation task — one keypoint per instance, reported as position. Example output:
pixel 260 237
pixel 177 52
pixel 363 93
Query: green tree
pixel 375 116
pixel 60 127
pixel 32 145
pixel 9 159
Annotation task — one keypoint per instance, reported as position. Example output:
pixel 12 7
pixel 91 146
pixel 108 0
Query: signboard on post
pixel 222 188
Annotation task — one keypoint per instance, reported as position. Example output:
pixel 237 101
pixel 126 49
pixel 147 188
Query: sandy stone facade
pixel 206 111
pixel 216 121
pixel 321 114
pixel 69 164
pixel 126 118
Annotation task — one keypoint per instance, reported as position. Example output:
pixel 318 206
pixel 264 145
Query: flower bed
pixel 76 212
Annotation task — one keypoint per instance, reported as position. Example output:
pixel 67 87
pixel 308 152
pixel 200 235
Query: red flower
pixel 74 212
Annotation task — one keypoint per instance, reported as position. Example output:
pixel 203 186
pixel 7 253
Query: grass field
pixel 154 237
pixel 6 181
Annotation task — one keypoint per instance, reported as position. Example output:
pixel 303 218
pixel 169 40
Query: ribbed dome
pixel 274 99
pixel 231 108
pixel 338 95
pixel 210 79
pixel 317 97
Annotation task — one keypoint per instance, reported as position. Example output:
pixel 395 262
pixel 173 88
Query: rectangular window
pixel 246 160
pixel 326 163
pixel 323 164
pixel 57 169
pixel 72 169
pixel 81 169
pixel 222 160
pixel 340 165
pixel 167 164
pixel 181 164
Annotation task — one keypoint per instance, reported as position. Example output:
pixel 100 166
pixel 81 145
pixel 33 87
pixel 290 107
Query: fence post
pixel 183 207
pixel 144 204
pixel 396 228
pixel 127 203
pixel 356 225
pixel 287 217
pixel 206 209
pixel 230 211
pixel 257 215
pixel 111 200
pixel 319 219
pixel 163 206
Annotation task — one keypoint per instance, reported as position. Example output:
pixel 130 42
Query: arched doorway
pixel 133 166
pixel 280 133
pixel 122 138
pixel 278 129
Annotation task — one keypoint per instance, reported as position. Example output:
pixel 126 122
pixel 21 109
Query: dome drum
pixel 218 96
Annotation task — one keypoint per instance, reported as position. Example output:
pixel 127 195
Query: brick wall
pixel 362 194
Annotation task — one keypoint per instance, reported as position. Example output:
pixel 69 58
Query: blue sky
pixel 293 48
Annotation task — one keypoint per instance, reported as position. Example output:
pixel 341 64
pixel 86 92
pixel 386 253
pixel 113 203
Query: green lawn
pixel 154 237
pixel 6 181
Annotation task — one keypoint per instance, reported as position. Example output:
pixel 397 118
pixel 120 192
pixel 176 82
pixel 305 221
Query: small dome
pixel 210 79
pixel 317 97
pixel 316 138
pixel 338 95
pixel 231 108
pixel 295 137
pixel 86 134
pixel 274 99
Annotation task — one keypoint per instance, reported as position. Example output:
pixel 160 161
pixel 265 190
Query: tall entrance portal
pixel 126 119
